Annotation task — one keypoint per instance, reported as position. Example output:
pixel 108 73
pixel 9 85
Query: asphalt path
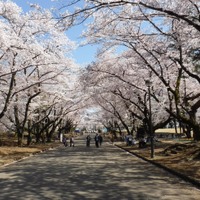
pixel 80 172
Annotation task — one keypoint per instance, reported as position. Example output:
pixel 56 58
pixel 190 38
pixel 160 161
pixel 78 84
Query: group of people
pixel 71 142
pixel 98 140
pixel 130 140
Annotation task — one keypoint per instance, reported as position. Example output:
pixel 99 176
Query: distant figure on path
pixel 65 141
pixel 88 138
pixel 71 142
pixel 100 139
pixel 96 139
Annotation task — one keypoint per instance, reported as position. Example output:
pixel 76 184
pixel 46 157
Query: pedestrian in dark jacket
pixel 65 141
pixel 96 139
pixel 100 140
pixel 88 138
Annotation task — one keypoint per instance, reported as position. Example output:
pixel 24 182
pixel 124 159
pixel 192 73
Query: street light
pixel 148 84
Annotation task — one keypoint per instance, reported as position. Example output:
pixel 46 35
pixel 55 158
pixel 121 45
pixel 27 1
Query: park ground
pixel 181 155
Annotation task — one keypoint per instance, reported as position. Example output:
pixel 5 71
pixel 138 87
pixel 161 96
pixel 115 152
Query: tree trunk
pixel 19 136
pixel 196 127
pixel 196 133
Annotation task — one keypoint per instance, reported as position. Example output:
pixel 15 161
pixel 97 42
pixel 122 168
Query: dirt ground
pixel 181 155
pixel 11 153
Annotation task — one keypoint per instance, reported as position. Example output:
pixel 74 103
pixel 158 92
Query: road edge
pixel 194 182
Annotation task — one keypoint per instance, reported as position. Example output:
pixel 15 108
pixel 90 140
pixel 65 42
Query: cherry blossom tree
pixel 37 74
pixel 185 10
pixel 118 85
pixel 164 34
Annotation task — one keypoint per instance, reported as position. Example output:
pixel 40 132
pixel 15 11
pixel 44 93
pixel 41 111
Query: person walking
pixel 65 141
pixel 72 142
pixel 96 139
pixel 100 139
pixel 88 138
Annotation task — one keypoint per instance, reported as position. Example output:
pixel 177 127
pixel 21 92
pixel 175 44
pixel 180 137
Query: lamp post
pixel 148 84
pixel 112 129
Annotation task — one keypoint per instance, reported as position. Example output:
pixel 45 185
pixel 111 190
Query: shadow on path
pixel 78 173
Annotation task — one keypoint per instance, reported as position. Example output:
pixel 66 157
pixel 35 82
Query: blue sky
pixel 82 55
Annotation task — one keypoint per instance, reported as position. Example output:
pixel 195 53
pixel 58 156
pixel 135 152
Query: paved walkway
pixel 78 173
